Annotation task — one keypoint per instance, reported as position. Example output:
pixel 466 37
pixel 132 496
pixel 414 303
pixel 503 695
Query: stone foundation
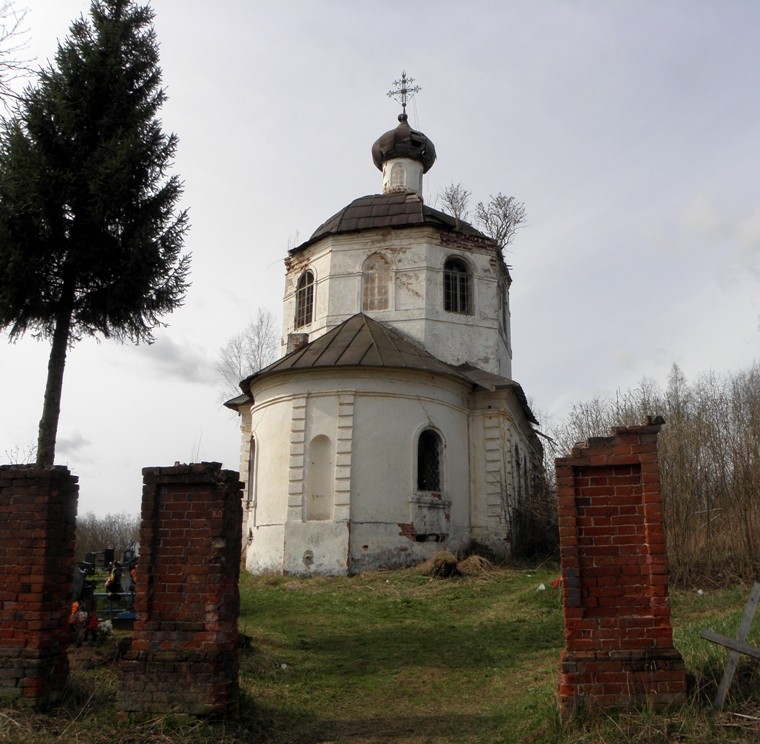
pixel 38 510
pixel 618 638
pixel 184 650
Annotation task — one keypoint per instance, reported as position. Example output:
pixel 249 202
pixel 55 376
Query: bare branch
pixel 454 200
pixel 13 45
pixel 25 455
pixel 709 455
pixel 247 352
pixel 500 218
pixel 117 531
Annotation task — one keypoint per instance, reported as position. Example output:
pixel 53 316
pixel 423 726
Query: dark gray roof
pixel 400 209
pixel 404 142
pixel 235 403
pixel 489 381
pixel 362 341
pixel 359 341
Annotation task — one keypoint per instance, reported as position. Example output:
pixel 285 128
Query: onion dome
pixel 404 142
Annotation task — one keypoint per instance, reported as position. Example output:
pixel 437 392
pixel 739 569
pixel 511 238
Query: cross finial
pixel 403 91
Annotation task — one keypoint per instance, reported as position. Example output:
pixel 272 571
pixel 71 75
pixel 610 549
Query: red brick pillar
pixel 38 509
pixel 618 638
pixel 184 657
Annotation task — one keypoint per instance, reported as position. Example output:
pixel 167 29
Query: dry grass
pixel 444 564
pixel 474 565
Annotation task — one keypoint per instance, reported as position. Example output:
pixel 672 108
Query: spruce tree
pixel 90 233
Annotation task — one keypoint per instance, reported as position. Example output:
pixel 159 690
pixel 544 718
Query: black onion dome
pixel 404 142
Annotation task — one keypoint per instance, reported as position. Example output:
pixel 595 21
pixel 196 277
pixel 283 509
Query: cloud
pixel 702 218
pixel 73 446
pixel 732 236
pixel 179 361
pixel 746 254
pixel 626 360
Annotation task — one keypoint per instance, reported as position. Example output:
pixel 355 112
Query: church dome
pixel 404 142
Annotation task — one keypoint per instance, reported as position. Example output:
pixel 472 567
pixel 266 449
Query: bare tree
pixel 13 44
pixel 247 352
pixel 709 451
pixel 21 455
pixel 115 531
pixel 500 217
pixel 454 200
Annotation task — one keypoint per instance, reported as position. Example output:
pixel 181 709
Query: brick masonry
pixel 184 649
pixel 38 510
pixel 618 638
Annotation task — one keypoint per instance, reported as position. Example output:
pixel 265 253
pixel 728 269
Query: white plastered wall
pixel 402 174
pixel 497 425
pixel 388 421
pixel 416 256
pixel 373 418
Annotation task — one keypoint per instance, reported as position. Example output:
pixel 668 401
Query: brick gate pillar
pixel 618 638
pixel 38 509
pixel 184 656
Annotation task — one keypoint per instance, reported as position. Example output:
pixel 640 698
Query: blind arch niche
pixel 320 494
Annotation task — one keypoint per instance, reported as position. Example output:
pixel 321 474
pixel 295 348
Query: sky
pixel 629 129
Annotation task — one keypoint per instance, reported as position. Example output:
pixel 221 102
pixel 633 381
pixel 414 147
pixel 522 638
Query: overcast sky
pixel 630 130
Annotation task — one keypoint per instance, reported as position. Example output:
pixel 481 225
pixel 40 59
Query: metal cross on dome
pixel 403 91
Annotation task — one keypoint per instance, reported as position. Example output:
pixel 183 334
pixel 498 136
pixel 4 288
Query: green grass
pixel 397 657
pixel 407 655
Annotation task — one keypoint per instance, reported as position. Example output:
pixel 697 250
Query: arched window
pixel 251 474
pixel 518 478
pixel 504 305
pixel 304 299
pixel 398 180
pixel 456 286
pixel 429 461
pixel 376 279
pixel 319 479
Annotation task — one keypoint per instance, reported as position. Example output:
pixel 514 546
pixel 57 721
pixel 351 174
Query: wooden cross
pixel 736 646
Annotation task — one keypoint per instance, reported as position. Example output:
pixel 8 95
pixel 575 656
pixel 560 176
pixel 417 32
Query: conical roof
pixel 359 341
pixel 362 341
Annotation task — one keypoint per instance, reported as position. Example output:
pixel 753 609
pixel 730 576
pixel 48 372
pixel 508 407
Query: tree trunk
pixel 51 408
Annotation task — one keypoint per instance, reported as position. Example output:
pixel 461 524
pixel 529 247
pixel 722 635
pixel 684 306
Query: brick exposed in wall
pixel 618 638
pixel 37 531
pixel 407 530
pixel 183 655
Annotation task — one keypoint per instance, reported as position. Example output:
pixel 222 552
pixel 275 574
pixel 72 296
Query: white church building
pixel 391 428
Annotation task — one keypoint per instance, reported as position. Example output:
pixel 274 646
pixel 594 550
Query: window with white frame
pixel 304 299
pixel 376 279
pixel 456 286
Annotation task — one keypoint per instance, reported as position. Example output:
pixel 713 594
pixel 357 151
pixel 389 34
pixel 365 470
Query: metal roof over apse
pixel 362 341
